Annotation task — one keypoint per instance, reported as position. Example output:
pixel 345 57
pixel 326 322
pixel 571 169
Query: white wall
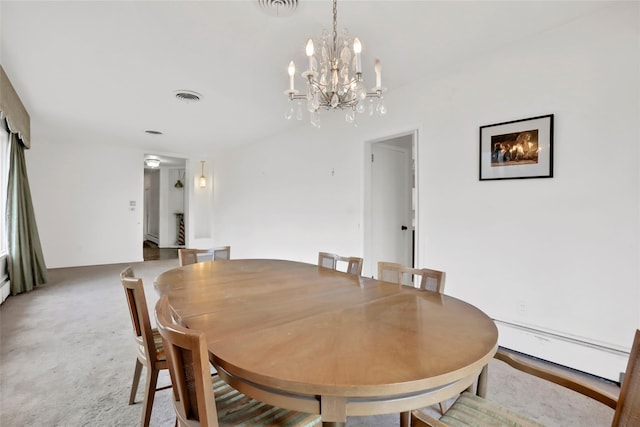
pixel 290 197
pixel 82 202
pixel 560 255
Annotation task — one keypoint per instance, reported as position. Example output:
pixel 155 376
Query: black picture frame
pixel 517 149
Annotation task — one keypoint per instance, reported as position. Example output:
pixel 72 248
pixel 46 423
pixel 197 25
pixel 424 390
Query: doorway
pixel 151 252
pixel 165 205
pixel 390 201
pixel 152 205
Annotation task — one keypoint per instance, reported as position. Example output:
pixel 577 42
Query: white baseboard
pixel 595 359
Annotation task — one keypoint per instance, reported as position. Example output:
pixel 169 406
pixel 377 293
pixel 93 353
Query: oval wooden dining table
pixel 312 339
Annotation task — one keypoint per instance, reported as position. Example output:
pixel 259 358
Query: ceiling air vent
pixel 278 7
pixel 188 96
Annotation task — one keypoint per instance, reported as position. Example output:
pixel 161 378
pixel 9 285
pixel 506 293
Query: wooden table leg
pixel 482 382
pixel 404 419
pixel 333 408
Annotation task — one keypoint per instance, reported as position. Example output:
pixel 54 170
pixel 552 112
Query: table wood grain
pixel 308 338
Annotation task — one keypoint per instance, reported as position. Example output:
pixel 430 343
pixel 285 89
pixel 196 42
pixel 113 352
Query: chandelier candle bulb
pixel 310 53
pixel 357 48
pixel 292 73
pixel 378 68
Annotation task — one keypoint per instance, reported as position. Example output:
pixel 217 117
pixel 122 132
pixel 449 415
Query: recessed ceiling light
pixel 152 163
pixel 188 95
pixel 153 132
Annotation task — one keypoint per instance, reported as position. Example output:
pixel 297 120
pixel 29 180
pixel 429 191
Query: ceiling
pixel 107 71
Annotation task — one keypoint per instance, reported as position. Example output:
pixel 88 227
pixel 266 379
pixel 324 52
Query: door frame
pixel 369 269
pixel 169 163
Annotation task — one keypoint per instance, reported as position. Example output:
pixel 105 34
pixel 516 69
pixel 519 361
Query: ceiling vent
pixel 278 7
pixel 188 96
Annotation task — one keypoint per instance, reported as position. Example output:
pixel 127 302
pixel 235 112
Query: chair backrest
pixel 391 272
pixel 329 260
pixel 137 302
pixel 628 407
pixel 191 256
pixel 430 280
pixel 221 252
pixel 188 361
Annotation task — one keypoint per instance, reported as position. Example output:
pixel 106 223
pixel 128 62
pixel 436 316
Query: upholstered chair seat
pixel 236 409
pixel 471 410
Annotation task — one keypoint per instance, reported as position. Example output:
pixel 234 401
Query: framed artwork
pixel 517 149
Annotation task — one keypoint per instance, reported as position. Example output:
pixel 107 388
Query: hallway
pixel 151 252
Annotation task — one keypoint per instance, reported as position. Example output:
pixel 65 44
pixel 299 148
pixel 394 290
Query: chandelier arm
pixel 320 87
pixel 326 99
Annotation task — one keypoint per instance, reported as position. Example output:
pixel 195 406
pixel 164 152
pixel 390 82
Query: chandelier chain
pixel 335 28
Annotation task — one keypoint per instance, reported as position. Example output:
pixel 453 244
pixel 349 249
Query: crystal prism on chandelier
pixel 334 78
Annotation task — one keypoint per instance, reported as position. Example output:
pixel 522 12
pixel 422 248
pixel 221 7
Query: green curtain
pixel 25 261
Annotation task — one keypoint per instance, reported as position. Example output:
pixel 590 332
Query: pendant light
pixel 203 179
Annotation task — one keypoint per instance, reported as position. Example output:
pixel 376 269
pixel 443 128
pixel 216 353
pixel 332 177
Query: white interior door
pixel 152 205
pixel 391 212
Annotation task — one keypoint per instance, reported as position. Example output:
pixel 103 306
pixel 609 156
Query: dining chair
pixel 430 280
pixel 203 400
pixel 150 351
pixel 188 256
pixel 329 260
pixel 470 409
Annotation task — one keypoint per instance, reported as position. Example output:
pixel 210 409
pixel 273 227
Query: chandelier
pixel 334 78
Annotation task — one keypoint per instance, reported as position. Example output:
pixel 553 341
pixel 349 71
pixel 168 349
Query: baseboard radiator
pixel 5 289
pixel 5 284
pixel 593 358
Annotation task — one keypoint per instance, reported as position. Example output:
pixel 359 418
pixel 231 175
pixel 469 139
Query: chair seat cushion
pixel 471 410
pixel 236 409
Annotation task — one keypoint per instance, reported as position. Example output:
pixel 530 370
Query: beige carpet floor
pixel 67 359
